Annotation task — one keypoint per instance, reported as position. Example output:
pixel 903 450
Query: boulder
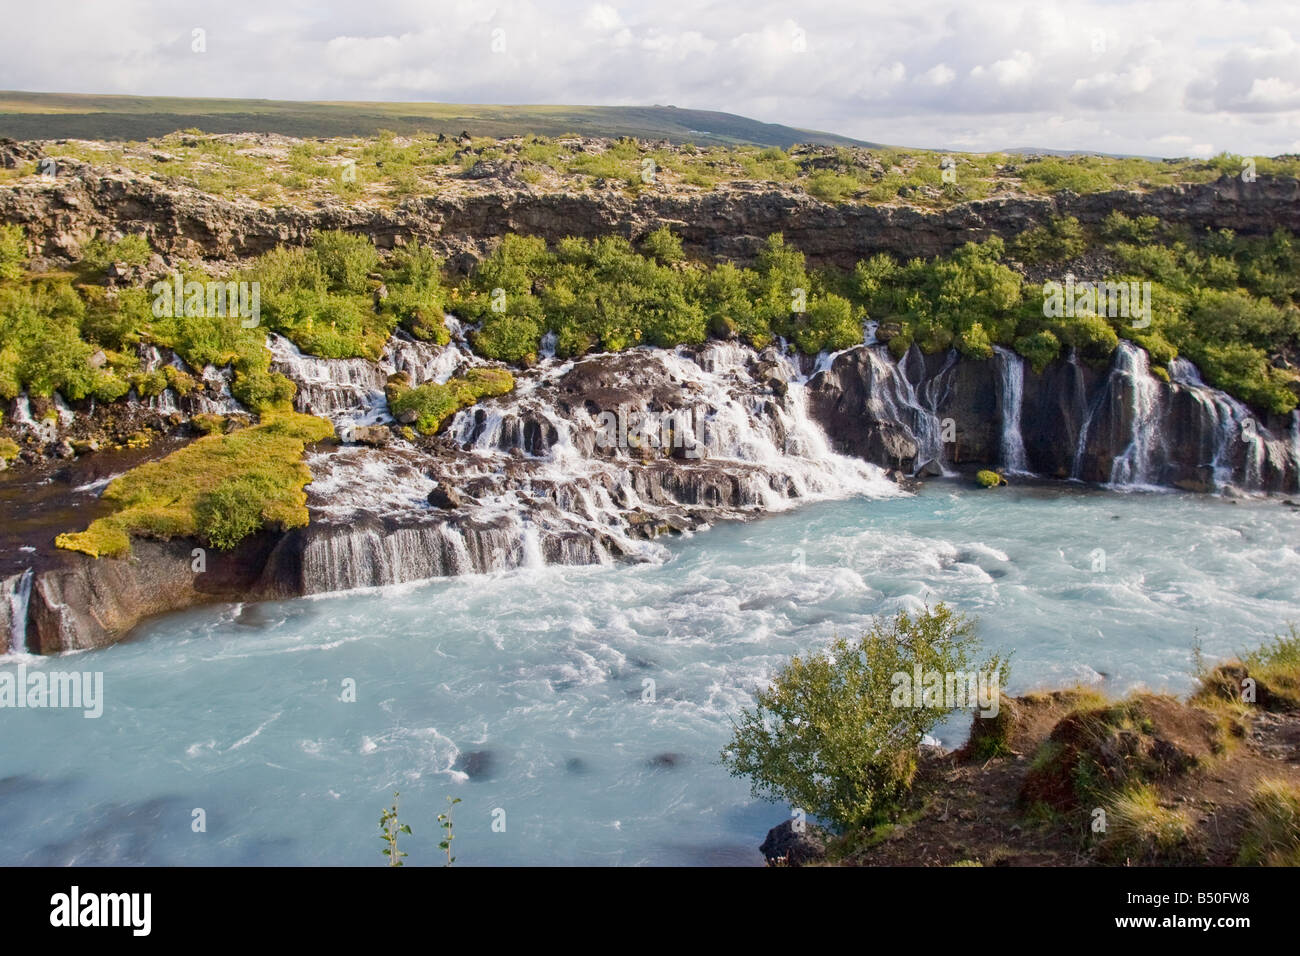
pixel 376 436
pixel 446 497
pixel 788 846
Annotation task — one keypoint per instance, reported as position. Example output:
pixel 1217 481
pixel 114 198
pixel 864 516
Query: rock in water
pixel 784 845
pixel 445 496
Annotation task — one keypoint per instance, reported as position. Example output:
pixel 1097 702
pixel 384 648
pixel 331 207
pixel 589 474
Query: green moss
pixel 219 489
pixel 208 423
pixel 105 538
pixel 8 449
pixel 989 479
pixel 434 403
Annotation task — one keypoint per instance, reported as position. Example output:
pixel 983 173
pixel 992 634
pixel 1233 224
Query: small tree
pixel 827 737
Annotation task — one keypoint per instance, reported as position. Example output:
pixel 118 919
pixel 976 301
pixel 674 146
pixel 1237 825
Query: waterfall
pixel 1133 465
pixel 1237 448
pixel 1011 394
pixel 342 390
pixel 895 399
pixel 537 485
pixel 1129 403
pixel 46 430
pixel 15 596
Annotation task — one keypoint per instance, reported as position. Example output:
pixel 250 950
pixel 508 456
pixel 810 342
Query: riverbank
pixel 1071 778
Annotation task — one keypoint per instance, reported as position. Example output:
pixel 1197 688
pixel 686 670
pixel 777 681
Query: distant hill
pixel 88 116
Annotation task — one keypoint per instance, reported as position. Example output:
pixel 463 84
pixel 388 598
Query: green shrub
pixel 974 342
pixel 1059 240
pixel 828 325
pixel 662 246
pixel 1120 228
pixel 346 259
pixel 826 737
pixel 433 403
pixel 830 186
pixel 100 253
pixel 231 511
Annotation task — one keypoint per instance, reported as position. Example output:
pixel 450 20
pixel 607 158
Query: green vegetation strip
pixel 219 489
pixel 1226 302
pixel 433 403
pixel 388 167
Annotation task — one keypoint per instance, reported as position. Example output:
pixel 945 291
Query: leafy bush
pixel 1121 228
pixel 662 246
pixel 974 342
pixel 1059 240
pixel 231 511
pixel 100 253
pixel 826 737
pixel 346 259
pixel 830 186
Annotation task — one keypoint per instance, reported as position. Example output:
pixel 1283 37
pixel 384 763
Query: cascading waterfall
pixel 1233 440
pixel 895 399
pixel 1011 394
pixel 338 389
pixel 722 431
pixel 15 596
pixel 536 485
pixel 1133 394
pixel 1133 466
pixel 352 390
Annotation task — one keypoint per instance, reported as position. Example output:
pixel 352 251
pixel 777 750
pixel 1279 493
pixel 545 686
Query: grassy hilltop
pixel 85 116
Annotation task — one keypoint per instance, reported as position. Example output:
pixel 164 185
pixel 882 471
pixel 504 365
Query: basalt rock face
pixel 1116 424
pixel 86 603
pixel 62 213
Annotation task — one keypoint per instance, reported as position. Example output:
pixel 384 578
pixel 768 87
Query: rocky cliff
pixel 62 212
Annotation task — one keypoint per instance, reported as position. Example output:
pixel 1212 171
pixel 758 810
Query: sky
pixel 1177 78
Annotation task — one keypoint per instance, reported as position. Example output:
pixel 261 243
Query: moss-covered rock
pixel 427 407
pixel 219 489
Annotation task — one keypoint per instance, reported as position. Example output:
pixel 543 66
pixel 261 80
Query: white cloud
pixel 941 74
pixel 1147 76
